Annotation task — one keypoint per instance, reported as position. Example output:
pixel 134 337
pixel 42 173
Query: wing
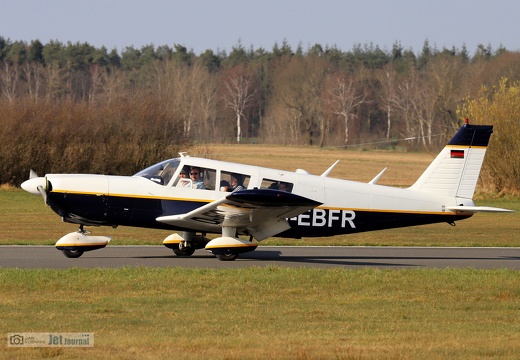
pixel 262 212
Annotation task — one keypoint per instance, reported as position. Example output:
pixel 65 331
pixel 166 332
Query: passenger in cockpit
pixel 283 186
pixel 237 182
pixel 224 186
pixel 183 178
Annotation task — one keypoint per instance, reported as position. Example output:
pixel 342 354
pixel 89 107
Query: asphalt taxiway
pixel 284 256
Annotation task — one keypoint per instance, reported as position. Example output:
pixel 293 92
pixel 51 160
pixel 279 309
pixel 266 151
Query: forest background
pixel 77 108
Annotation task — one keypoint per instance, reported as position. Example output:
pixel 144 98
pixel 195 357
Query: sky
pixel 221 25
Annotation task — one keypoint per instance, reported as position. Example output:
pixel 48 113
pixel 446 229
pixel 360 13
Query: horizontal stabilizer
pixel 476 209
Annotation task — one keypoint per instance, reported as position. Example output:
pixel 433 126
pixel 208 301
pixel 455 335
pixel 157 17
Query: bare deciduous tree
pixel 33 72
pixel 240 94
pixel 345 97
pixel 9 76
pixel 297 90
pixel 388 79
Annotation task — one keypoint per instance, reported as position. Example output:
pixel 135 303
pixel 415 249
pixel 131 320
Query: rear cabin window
pixel 276 185
pixel 233 181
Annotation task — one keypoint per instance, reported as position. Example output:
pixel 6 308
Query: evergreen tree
pixel 35 53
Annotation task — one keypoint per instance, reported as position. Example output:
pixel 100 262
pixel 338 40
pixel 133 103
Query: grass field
pixel 271 312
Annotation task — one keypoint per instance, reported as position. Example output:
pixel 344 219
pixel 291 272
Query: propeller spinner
pixel 36 185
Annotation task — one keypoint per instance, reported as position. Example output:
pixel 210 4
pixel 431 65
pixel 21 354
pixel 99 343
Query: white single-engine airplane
pixel 195 195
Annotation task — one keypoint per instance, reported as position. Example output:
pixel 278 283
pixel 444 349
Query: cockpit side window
pixel 276 185
pixel 196 177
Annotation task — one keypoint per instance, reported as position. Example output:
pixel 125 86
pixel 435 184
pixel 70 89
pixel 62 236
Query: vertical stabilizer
pixel 456 169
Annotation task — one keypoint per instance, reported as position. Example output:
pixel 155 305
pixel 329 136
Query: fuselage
pixel 346 206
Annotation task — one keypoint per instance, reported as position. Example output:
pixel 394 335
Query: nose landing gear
pixel 74 244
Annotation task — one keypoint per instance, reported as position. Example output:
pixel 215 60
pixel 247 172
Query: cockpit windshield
pixel 162 172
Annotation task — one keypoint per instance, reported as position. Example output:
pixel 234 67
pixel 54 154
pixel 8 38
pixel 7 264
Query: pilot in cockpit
pixel 196 177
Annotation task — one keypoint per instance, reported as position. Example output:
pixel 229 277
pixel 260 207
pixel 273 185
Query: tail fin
pixel 455 171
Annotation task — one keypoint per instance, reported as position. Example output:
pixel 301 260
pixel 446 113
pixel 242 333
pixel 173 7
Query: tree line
pixel 119 110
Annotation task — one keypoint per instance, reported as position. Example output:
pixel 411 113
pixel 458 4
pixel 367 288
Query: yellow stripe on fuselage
pixel 388 211
pixel 130 196
pixel 448 213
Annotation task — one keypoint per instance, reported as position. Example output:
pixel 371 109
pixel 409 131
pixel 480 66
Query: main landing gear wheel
pixel 226 257
pixel 72 253
pixel 185 251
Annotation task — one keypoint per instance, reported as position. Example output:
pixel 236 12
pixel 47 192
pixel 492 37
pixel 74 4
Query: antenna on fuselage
pixel 377 177
pixel 327 172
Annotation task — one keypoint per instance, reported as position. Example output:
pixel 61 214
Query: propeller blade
pixel 43 193
pixel 32 174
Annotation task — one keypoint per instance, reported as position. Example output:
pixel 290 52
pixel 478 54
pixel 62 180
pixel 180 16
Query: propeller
pixel 36 185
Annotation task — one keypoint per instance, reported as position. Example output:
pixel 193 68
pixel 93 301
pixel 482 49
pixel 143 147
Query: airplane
pixel 235 200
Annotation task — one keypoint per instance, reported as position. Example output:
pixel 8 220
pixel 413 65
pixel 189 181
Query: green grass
pixel 266 313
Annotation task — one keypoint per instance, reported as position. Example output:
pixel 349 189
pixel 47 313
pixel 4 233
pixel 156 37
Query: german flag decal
pixel 457 154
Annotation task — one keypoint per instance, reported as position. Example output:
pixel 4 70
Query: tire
pixel 184 252
pixel 72 253
pixel 227 257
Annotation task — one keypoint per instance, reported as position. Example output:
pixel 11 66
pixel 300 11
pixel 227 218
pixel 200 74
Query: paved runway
pixel 284 256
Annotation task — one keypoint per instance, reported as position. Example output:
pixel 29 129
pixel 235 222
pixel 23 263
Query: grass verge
pixel 266 313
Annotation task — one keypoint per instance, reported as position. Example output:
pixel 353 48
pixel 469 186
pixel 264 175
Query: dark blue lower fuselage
pixel 101 210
